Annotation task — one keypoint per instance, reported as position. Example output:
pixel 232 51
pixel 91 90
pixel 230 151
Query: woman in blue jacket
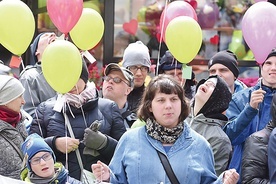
pixel 136 159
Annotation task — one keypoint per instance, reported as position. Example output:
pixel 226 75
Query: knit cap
pixel 226 58
pixel 168 62
pixel 10 89
pixel 136 54
pixel 33 48
pixel 219 100
pixel 272 53
pixel 32 145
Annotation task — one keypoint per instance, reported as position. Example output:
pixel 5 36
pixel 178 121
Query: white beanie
pixel 136 54
pixel 10 89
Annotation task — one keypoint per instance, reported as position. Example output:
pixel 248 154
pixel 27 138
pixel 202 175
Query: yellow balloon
pixel 183 38
pixel 17 26
pixel 61 65
pixel 89 29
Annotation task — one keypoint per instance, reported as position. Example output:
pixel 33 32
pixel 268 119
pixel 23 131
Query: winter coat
pixel 61 176
pixel 272 156
pixel 53 125
pixel 37 88
pixel 211 130
pixel 136 159
pixel 245 120
pixel 254 159
pixel 10 153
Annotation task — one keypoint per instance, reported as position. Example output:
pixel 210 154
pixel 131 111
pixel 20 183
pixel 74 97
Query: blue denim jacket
pixel 136 160
pixel 245 120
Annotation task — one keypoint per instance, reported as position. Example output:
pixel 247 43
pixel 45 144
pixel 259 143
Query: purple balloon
pixel 208 15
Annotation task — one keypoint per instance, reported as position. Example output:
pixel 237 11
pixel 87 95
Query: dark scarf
pixel 9 116
pixel 163 134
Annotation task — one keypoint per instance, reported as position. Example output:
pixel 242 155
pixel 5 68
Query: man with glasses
pixel 118 83
pixel 136 58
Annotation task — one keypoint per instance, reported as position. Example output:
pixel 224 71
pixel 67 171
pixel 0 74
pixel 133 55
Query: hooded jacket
pixel 245 120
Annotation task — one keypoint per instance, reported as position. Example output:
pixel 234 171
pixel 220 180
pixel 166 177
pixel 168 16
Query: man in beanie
pixel 41 163
pixel 170 66
pixel 118 83
pixel 208 117
pixel 225 65
pixel 37 88
pixel 136 58
pixel 249 110
pixel 82 106
pixel 12 128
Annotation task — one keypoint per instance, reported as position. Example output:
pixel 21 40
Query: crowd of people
pixel 171 130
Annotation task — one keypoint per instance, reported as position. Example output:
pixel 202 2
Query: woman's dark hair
pixel 164 84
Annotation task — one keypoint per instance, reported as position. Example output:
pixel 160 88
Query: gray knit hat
pixel 136 54
pixel 10 89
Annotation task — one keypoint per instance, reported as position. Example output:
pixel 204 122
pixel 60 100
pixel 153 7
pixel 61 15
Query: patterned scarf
pixel 9 116
pixel 78 100
pixel 163 134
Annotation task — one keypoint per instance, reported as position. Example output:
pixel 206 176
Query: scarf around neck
pixel 163 134
pixel 78 100
pixel 9 116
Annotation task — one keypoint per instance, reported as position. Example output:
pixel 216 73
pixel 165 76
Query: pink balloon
pixel 173 10
pixel 259 29
pixel 64 13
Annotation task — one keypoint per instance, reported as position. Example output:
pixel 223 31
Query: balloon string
pixel 161 36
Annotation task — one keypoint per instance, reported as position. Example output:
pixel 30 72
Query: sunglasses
pixel 116 80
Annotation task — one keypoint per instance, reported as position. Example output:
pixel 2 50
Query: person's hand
pixel 230 176
pixel 256 98
pixel 71 145
pixel 101 171
pixel 93 138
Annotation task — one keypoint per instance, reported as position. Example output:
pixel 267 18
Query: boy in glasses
pixel 118 83
pixel 136 58
pixel 41 163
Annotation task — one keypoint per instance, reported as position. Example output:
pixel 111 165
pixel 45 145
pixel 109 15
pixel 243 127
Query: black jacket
pixel 53 125
pixel 254 159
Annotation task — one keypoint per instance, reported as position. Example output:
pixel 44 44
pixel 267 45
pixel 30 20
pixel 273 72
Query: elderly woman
pixel 12 128
pixel 141 152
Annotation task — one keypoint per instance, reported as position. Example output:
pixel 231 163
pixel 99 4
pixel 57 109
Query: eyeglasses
pixel 135 68
pixel 116 80
pixel 45 157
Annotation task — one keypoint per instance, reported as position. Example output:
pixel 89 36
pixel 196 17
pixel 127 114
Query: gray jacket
pixel 37 88
pixel 10 153
pixel 211 130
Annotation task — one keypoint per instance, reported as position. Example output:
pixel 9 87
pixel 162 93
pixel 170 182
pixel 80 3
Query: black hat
pixel 219 99
pixel 226 58
pixel 168 62
pixel 272 53
pixel 33 48
pixel 84 72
